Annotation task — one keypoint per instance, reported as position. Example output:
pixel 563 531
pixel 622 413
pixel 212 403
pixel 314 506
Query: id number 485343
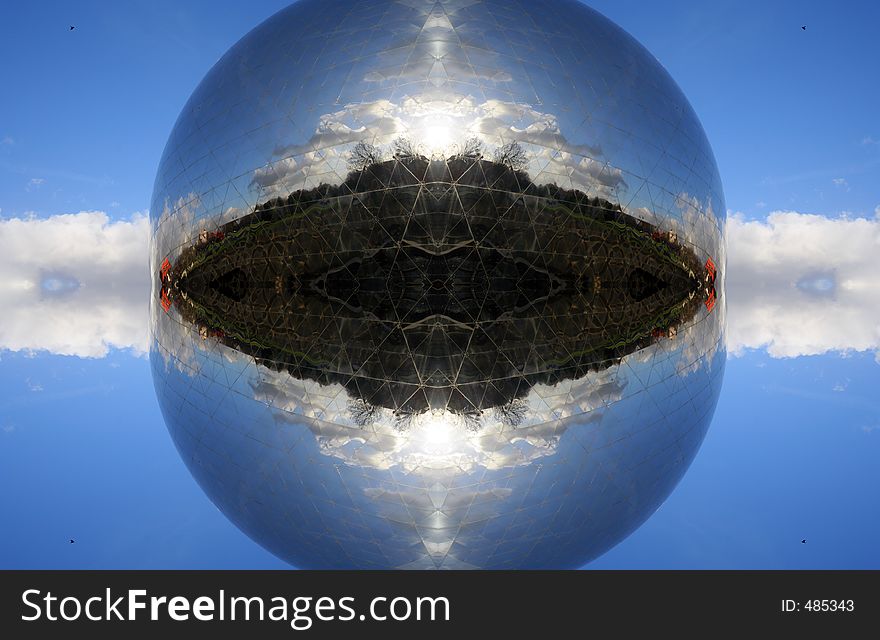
pixel 814 606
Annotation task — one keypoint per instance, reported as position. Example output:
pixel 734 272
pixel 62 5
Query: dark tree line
pixel 365 154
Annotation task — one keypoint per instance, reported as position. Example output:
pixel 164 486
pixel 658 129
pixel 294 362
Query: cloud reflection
pixel 322 158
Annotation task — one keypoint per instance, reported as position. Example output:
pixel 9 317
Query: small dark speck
pixel 72 541
pixel 72 27
pixel 804 541
pixel 804 27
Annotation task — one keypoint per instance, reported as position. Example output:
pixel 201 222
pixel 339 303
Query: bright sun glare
pixel 438 138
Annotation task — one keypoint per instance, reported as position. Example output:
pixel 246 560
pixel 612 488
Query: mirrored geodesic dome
pixel 437 284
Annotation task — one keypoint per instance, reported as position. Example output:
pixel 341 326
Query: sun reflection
pixel 437 139
pixel 437 431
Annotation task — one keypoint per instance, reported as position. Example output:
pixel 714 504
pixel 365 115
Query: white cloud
pixel 802 284
pixel 74 284
pixel 422 118
pixel 417 450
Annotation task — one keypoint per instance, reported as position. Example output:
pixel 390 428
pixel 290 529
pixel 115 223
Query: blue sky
pixel 792 118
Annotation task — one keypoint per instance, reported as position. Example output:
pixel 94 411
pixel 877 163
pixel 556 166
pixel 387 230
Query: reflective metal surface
pixel 437 284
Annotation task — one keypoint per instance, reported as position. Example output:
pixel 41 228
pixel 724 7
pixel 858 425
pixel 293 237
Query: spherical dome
pixel 437 284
